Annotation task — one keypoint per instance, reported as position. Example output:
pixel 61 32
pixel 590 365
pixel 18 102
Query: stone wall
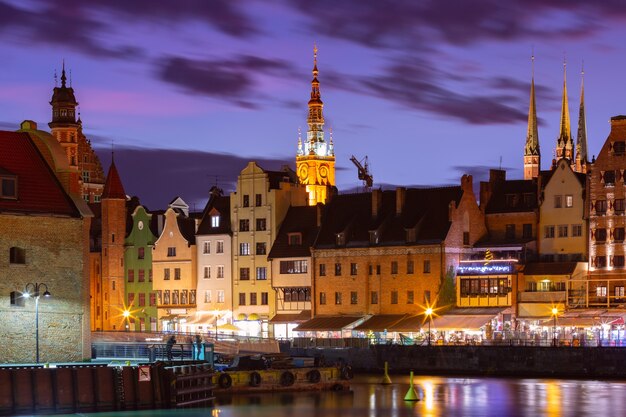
pixel 55 255
pixel 577 362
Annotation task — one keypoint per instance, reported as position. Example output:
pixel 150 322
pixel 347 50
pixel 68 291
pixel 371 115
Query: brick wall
pixel 56 254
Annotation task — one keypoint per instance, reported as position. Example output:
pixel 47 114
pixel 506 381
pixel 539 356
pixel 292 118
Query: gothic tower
pixel 532 156
pixel 113 234
pixel 565 143
pixel 63 125
pixel 315 159
pixel 581 137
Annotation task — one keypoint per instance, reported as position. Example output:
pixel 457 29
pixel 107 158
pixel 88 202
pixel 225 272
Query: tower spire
pixel 63 77
pixel 565 143
pixel 581 137
pixel 531 150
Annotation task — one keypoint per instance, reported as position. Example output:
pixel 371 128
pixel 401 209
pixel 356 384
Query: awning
pixel 202 319
pixel 330 323
pixel 291 317
pixel 459 322
pixel 572 322
pixel 380 322
pixel 409 324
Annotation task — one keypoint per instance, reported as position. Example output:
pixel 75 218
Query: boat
pixel 269 373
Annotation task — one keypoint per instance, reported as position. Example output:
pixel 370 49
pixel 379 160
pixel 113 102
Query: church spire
pixel 564 146
pixel 63 77
pixel 581 137
pixel 531 150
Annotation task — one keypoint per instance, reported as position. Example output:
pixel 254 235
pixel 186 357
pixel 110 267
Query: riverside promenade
pixel 520 361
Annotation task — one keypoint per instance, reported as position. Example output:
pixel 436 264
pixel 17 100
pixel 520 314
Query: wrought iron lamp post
pixel 34 290
pixel 429 314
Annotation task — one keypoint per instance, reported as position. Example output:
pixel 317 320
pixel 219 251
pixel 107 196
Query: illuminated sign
pixel 480 268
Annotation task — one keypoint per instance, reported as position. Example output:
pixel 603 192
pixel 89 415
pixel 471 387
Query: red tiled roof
pixel 113 187
pixel 38 189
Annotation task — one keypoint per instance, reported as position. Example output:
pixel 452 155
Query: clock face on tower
pixel 303 173
pixel 140 225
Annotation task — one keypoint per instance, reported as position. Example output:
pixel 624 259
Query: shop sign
pixel 482 268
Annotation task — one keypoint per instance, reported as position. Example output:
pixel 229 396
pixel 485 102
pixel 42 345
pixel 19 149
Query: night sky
pixel 190 90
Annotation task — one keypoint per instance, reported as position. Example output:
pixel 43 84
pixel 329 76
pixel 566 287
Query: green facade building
pixel 141 300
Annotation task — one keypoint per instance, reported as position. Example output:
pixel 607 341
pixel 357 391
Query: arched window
pixel 17 255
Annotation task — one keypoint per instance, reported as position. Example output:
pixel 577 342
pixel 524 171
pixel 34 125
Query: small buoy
pixel 386 380
pixel 411 395
pixel 127 363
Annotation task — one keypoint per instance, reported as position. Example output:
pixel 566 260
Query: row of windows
pixel 374 299
pixel 568 199
pixel 244 225
pixel 376 269
pixel 253 298
pixel 176 297
pixel 545 286
pixel 485 286
pixel 618 291
pixel 141 299
pixel 261 273
pixel 296 294
pixel 258 200
pixel 600 234
pixel 261 248
pixel 600 261
pixel 219 272
pixel 510 231
pixel 166 274
pixel 219 247
pixel 294 267
pixel 141 275
pixel 563 230
pixel 618 205
pixel 218 293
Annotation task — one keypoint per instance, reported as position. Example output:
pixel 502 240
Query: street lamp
pixel 126 315
pixel 34 290
pixel 216 314
pixel 555 312
pixel 429 313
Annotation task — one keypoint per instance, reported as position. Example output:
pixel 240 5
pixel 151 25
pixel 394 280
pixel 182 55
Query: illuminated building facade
pixel 257 208
pixel 607 222
pixel 315 159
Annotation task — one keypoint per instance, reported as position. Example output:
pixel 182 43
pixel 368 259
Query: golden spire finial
pixel 532 60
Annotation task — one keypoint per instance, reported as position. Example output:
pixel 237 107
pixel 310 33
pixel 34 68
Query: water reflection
pixel 439 396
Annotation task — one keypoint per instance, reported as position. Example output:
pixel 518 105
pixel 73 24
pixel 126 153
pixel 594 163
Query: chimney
pixel 377 202
pixel 400 198
pixel 467 184
pixel 497 175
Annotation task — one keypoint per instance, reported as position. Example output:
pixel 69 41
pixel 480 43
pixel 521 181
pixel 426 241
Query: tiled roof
pixel 286 174
pixel 220 204
pixel 39 190
pixel 298 220
pixel 500 203
pixel 425 211
pixel 113 187
pixel 187 227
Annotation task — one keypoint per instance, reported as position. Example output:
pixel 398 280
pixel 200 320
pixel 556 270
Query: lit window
pixel 215 221
pixel 569 201
pixel 261 273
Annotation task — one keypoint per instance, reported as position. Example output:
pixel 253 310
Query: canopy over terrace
pixel 380 322
pixel 329 323
pixel 460 322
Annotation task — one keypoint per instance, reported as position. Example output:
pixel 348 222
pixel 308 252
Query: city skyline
pixel 198 91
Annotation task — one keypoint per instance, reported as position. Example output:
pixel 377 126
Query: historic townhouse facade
pixel 140 296
pixel 258 207
pixel 214 254
pixel 174 271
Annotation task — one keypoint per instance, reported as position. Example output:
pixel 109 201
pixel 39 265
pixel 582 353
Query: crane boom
pixel 364 174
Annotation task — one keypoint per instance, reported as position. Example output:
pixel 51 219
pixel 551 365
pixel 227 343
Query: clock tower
pixel 315 158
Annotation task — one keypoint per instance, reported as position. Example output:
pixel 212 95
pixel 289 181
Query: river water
pixel 439 396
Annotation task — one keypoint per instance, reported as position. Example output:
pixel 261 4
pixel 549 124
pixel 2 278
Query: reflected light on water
pixel 553 399
pixel 428 388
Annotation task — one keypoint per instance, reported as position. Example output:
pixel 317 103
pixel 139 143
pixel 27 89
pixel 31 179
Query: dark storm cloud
pixel 156 176
pixel 413 24
pixel 80 25
pixel 232 79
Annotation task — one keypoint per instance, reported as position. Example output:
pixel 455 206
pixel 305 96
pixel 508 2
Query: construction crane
pixel 364 174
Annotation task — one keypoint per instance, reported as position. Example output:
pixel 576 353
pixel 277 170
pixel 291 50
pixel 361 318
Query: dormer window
pixel 295 239
pixel 340 239
pixel 215 221
pixel 374 237
pixel 619 148
pixel 8 187
pixel 410 235
pixel 511 200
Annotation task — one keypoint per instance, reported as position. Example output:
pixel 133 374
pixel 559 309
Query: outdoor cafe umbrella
pixel 227 327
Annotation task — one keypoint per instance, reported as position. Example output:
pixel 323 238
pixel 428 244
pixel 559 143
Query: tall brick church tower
pixel 315 158
pixel 113 234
